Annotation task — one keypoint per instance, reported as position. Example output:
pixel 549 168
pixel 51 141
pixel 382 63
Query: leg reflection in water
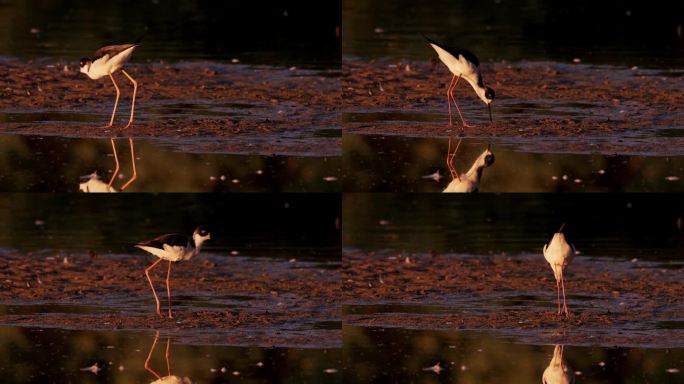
pixel 169 379
pixel 93 182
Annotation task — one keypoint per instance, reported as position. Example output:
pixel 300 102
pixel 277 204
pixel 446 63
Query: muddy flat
pixel 217 300
pixel 626 303
pixel 547 106
pixel 201 106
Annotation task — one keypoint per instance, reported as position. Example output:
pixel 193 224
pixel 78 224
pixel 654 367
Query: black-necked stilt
pixel 93 182
pixel 470 181
pixel 559 253
pixel 172 247
pixel 462 64
pixel 558 371
pixel 105 62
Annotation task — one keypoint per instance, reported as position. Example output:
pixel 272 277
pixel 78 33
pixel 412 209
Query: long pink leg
pixel 116 159
pixel 451 86
pixel 135 91
pixel 565 306
pixel 147 273
pixel 116 103
pixel 558 296
pixel 135 173
pixel 149 356
pixel 450 160
pixel 168 287
pixel 465 125
pixel 168 362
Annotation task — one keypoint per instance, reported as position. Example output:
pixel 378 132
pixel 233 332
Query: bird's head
pixel 200 235
pixel 85 64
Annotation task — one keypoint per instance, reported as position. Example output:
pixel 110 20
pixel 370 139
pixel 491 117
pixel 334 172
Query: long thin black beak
pixel 489 106
pixel 561 228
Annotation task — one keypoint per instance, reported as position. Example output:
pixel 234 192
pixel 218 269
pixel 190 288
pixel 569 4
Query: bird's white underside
pixel 106 65
pixel 170 253
pixel 558 253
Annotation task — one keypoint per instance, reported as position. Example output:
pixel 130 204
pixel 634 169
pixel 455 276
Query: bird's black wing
pixel 456 51
pixel 173 239
pixel 112 50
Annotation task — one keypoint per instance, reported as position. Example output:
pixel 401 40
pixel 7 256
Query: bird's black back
pixel 172 239
pixel 456 51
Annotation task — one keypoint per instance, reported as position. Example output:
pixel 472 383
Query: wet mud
pixel 216 300
pixel 627 303
pixel 571 108
pixel 205 106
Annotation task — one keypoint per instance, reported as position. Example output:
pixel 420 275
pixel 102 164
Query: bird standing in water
pixel 172 247
pixel 462 64
pixel 559 253
pixel 105 62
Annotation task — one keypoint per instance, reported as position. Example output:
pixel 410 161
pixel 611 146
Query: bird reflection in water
pixel 169 379
pixel 558 371
pixel 93 182
pixel 470 181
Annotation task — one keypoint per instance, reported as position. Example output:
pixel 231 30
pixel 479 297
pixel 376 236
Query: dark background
pixel 280 225
pixel 645 33
pixel 257 32
pixel 606 224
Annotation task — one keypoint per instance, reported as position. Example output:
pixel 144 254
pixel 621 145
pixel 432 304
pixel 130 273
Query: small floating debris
pixel 234 253
pixel 212 178
pixel 672 178
pixel 601 172
pixel 434 176
pixel 260 364
pixel 223 369
pixel 39 223
pixel 576 60
pixel 577 181
pixel 235 181
pixel 223 177
pixel 236 373
pixel 34 31
pixel 578 373
pixel 259 172
pixel 234 61
pixel 383 222
pixel 601 364
pixel 330 370
pixel 463 367
pixel 435 368
pixel 565 177
pixel 672 370
pixel 330 178
pixel 379 30
pixel 94 369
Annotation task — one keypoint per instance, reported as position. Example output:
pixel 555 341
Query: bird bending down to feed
pixel 172 247
pixel 558 253
pixel 105 62
pixel 462 64
pixel 470 181
pixel 558 371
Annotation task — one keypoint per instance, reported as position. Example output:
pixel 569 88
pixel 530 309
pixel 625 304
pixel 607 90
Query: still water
pixel 378 355
pixel 623 226
pixel 406 164
pixel 619 33
pixel 271 32
pixel 287 225
pixel 31 355
pixel 55 164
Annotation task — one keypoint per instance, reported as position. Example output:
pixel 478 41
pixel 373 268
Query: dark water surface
pixel 33 355
pixel 624 226
pixel 380 355
pixel 273 32
pixel 287 226
pixel 610 32
pixel 55 164
pixel 403 164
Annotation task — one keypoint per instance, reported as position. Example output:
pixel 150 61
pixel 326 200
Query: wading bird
pixel 172 247
pixel 558 253
pixel 93 182
pixel 470 181
pixel 462 64
pixel 105 62
pixel 558 371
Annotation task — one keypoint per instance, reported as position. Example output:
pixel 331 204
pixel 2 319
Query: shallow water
pixel 262 33
pixel 405 164
pixel 283 226
pixel 624 226
pixel 50 355
pixel 615 33
pixel 55 164
pixel 373 355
